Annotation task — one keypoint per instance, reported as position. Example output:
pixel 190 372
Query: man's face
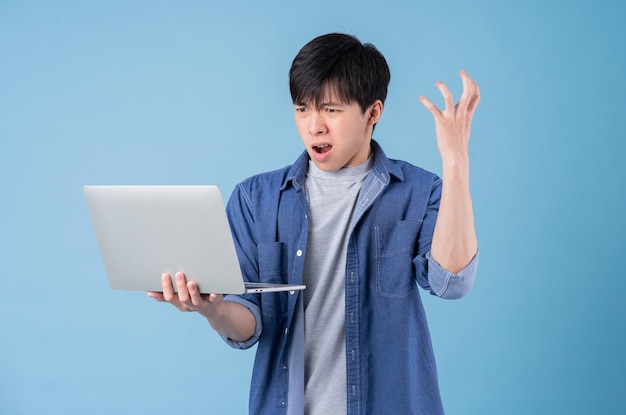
pixel 336 134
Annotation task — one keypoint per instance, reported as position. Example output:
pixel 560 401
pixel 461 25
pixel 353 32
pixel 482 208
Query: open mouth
pixel 321 149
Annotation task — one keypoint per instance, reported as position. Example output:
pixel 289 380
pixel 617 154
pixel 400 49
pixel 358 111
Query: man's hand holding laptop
pixel 229 319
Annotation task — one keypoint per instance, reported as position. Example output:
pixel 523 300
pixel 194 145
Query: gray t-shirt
pixel 332 197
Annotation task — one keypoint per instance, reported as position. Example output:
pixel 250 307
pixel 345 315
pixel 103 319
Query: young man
pixel 359 230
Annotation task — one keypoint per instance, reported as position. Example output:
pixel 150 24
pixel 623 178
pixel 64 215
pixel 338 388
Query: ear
pixel 374 112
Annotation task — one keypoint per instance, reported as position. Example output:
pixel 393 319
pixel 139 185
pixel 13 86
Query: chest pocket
pixel 395 249
pixel 273 270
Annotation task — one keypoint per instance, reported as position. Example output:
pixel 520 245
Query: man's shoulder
pixel 415 175
pixel 267 180
pixel 277 179
pixel 406 172
pixel 412 168
pixel 260 189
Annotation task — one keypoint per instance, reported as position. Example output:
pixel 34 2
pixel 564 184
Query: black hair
pixel 342 64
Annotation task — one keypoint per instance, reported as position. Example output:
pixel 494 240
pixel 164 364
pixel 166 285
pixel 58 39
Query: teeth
pixel 323 146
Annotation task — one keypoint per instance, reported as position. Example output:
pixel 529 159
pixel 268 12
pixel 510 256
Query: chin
pixel 327 167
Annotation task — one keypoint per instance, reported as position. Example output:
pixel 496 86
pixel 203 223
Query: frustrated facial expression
pixel 336 134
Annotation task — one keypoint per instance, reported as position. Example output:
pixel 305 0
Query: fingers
pixel 475 100
pixel 447 96
pixel 430 106
pixel 471 94
pixel 468 90
pixel 448 100
pixel 194 294
pixel 168 289
pixel 181 288
pixel 187 296
pixel 188 293
pixel 453 123
pixel 179 299
pixel 156 295
pixel 467 102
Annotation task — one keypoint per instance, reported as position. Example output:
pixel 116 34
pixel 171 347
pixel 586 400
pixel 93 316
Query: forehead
pixel 328 92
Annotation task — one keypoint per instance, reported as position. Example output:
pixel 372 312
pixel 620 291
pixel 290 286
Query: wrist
pixel 453 161
pixel 213 311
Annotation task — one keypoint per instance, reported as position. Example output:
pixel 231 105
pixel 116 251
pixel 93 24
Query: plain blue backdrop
pixel 195 92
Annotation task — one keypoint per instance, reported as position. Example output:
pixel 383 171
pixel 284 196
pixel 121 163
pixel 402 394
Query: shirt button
pixel 299 252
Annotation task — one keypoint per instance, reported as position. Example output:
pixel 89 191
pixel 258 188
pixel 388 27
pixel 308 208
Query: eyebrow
pixel 331 104
pixel 321 104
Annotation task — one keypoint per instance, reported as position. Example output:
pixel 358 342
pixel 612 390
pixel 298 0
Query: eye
pixel 331 110
pixel 301 108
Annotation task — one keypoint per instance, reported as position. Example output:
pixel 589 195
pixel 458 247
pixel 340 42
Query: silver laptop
pixel 145 231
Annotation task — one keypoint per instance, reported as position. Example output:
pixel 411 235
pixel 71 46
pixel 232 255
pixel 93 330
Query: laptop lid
pixel 145 231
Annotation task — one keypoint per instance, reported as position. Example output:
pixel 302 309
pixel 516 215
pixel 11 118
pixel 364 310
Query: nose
pixel 317 125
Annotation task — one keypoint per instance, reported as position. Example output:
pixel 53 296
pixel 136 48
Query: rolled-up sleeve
pixel 448 285
pixel 254 309
pixel 242 227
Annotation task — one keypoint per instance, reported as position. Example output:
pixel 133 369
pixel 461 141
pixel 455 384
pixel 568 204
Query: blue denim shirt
pixel 389 358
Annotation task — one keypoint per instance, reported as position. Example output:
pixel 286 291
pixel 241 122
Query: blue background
pixel 194 92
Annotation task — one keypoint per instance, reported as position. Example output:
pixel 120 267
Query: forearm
pixel 454 241
pixel 232 320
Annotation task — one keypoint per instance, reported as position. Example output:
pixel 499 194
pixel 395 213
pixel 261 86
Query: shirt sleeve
pixel 448 285
pixel 241 221
pixel 429 273
pixel 254 309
